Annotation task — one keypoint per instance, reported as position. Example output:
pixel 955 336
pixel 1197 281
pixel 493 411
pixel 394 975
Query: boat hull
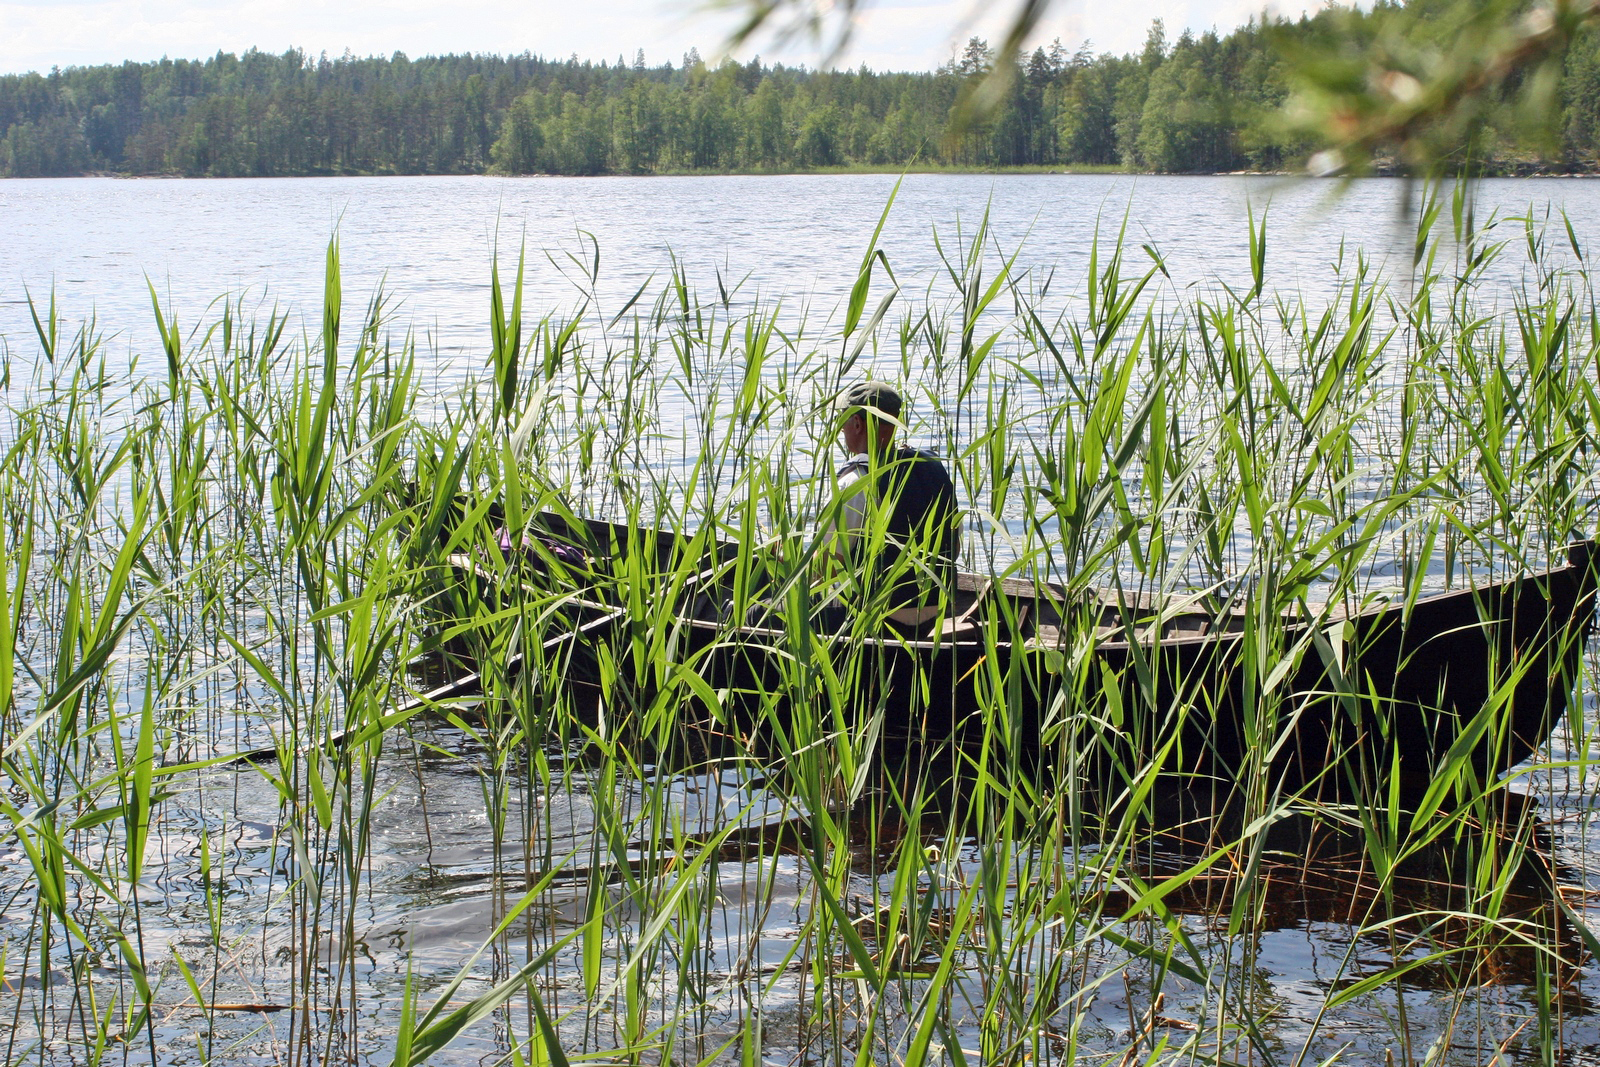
pixel 1474 680
pixel 1391 695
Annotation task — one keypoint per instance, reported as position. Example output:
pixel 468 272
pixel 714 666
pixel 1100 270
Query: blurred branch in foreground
pixel 828 25
pixel 1417 83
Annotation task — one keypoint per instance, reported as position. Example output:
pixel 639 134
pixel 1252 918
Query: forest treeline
pixel 1202 103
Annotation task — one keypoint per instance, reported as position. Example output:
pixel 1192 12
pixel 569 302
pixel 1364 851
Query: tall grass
pixel 252 552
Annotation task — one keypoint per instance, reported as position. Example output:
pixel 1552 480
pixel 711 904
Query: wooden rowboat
pixel 1476 678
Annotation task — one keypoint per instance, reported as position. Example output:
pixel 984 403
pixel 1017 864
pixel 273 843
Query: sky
pixel 891 34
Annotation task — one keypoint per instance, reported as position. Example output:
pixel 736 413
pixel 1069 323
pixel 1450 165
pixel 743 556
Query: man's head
pixel 870 411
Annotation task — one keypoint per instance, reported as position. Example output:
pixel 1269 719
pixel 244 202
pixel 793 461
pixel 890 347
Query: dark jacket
pixel 915 489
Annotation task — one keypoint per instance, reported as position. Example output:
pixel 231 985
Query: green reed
pixel 248 549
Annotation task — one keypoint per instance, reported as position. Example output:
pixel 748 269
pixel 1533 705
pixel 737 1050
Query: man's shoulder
pixel 916 463
pixel 923 461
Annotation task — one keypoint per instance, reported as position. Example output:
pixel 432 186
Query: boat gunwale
pixel 1294 625
pixel 1147 633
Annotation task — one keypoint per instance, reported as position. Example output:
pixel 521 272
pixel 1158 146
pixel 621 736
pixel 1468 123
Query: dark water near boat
pixel 429 243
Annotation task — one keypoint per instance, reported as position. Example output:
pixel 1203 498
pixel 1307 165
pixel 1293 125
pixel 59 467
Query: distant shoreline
pixel 1194 106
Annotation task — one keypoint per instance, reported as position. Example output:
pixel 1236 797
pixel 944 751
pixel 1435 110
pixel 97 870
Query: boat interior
pixel 592 559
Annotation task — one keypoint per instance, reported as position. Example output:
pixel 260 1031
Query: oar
pixel 467 683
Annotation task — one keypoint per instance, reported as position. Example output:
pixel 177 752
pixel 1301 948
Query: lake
pixel 305 906
pixel 429 241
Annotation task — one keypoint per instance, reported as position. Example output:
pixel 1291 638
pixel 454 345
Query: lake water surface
pixel 429 241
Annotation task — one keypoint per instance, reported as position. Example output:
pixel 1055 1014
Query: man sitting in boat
pixel 896 530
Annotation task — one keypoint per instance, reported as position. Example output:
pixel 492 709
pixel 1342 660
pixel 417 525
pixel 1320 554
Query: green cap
pixel 881 397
